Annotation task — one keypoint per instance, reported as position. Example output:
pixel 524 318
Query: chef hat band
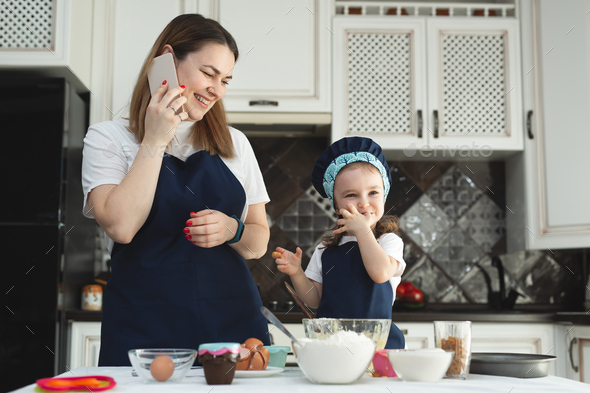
pixel 343 152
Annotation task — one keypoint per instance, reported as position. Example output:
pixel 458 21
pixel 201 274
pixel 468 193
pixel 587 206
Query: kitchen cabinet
pixel 284 62
pixel 426 83
pixel 547 192
pixel 84 344
pixel 576 352
pixel 284 52
pixel 280 338
pixel 418 335
pixel 45 35
pixel 534 338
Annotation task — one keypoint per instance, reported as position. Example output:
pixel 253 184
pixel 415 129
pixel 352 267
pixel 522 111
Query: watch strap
pixel 239 232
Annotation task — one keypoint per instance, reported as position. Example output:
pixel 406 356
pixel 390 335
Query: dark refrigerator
pixel 47 244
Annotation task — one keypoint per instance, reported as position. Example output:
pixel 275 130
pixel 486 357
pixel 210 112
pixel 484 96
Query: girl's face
pixel 363 187
pixel 205 74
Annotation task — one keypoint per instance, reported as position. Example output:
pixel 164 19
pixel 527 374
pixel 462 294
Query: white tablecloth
pixel 292 380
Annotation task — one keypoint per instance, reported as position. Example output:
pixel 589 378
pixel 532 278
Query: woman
pixel 182 198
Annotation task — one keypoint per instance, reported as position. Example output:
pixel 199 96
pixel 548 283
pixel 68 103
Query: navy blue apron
pixel 166 292
pixel 349 292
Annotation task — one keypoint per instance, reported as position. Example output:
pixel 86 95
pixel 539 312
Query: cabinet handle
pixel 419 113
pixel 264 102
pixel 435 115
pixel 529 124
pixel 574 341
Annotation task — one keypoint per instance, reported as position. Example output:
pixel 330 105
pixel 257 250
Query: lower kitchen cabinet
pixel 575 342
pixel 84 344
pixel 418 335
pixel 280 338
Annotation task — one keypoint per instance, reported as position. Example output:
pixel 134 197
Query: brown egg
pixel 252 343
pixel 253 355
pixel 162 368
pixel 244 361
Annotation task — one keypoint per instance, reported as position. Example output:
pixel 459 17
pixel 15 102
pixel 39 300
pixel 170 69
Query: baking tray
pixel 517 365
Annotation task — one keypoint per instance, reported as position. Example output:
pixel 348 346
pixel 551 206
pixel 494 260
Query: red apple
pixel 415 296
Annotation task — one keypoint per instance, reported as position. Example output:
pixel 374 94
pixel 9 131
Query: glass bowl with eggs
pixel 162 364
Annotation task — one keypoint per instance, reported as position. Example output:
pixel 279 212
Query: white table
pixel 292 380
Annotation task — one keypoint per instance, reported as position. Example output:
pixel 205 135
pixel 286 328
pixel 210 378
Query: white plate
pixel 250 373
pixel 258 373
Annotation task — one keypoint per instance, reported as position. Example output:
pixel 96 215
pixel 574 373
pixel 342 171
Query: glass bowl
pixel 141 359
pixel 376 329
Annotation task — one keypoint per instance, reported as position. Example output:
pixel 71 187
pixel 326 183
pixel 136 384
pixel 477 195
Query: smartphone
pixel 163 69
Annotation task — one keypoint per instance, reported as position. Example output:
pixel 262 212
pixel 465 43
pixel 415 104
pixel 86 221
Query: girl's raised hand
pixel 161 118
pixel 353 222
pixel 287 262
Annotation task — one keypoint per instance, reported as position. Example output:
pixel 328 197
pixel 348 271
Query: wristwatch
pixel 239 232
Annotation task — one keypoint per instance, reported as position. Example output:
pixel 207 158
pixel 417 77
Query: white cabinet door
pixel 463 94
pixel 284 58
pixel 577 354
pixel 547 188
pixel 44 34
pixel 418 335
pixel 474 91
pixel 379 79
pixel 84 344
pixel 280 338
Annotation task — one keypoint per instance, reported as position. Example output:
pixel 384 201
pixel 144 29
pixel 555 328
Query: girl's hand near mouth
pixel 353 222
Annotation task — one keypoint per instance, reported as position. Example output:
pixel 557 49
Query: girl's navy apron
pixel 166 292
pixel 349 292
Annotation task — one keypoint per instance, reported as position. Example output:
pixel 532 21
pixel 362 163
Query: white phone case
pixel 162 69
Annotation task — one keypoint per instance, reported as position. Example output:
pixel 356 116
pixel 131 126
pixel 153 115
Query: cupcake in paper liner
pixel 219 362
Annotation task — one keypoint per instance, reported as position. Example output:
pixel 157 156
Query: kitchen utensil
pixel 94 383
pixel 141 359
pixel 376 329
pixel 455 336
pixel 278 355
pixel 517 365
pixel 275 321
pixel 298 301
pixel 421 365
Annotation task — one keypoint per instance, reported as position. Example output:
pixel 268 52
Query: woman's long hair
pixel 387 224
pixel 186 34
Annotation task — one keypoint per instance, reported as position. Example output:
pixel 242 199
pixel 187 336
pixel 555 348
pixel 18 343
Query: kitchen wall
pixel 452 221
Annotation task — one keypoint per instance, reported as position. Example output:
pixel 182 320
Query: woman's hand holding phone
pixel 161 118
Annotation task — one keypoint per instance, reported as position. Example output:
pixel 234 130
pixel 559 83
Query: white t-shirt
pixel 110 149
pixel 390 242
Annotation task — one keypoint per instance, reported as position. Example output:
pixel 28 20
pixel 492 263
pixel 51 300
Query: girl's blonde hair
pixel 387 224
pixel 186 34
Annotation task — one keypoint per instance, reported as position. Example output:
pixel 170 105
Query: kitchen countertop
pixel 426 315
pixel 293 380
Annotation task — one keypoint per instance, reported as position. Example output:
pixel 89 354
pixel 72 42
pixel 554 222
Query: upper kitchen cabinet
pixel 284 62
pixel 379 73
pixel 547 186
pixel 414 79
pixel 52 36
pixel 474 86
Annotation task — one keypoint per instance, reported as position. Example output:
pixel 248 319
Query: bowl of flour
pixel 342 358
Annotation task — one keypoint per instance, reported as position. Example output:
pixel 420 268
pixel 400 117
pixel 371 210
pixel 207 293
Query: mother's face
pixel 205 74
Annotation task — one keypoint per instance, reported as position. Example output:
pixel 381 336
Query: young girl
pixel 354 272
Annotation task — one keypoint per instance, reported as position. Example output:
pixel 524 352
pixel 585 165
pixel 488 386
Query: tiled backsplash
pixel 452 220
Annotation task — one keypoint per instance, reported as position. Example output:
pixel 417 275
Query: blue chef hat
pixel 343 152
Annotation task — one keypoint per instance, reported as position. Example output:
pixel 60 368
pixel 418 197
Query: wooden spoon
pixel 298 301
